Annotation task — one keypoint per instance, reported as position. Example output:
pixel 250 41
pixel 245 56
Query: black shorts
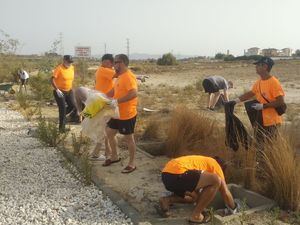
pixel 123 126
pixel 209 87
pixel 180 183
pixel 24 81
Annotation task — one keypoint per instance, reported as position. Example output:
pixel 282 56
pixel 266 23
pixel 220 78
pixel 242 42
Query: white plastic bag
pixel 94 126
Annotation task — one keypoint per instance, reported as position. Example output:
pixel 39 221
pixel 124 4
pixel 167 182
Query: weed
pixel 212 214
pixel 86 168
pixel 48 133
pixel 41 87
pixel 152 131
pixel 281 172
pixel 274 215
pixel 188 131
pixel 23 100
pixel 243 215
pixel 80 144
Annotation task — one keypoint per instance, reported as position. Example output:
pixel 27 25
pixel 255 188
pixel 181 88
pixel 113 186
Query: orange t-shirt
pixel 193 162
pixel 63 77
pixel 270 89
pixel 104 80
pixel 124 83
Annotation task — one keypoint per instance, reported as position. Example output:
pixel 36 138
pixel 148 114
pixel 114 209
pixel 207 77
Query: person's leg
pixel 209 100
pixel 61 110
pixel 111 150
pixel 215 99
pixel 131 148
pixel 71 105
pixel 25 85
pixel 210 184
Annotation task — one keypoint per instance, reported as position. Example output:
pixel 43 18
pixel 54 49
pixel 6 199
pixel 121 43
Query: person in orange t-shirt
pixel 62 82
pixel 269 93
pixel 124 95
pixel 195 179
pixel 104 74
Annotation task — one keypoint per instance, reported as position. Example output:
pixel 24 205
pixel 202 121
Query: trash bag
pixel 97 113
pixel 95 103
pixel 235 130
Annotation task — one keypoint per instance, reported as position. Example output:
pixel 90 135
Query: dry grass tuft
pixel 192 133
pixel 282 172
pixel 152 131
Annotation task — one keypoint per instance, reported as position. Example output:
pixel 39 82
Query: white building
pixel 253 51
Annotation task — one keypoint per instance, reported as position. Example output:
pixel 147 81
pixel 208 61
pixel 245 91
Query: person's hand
pixel 257 106
pixel 233 102
pixel 231 211
pixel 113 103
pixel 59 93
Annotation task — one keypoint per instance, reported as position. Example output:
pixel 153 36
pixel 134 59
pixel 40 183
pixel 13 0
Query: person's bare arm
pixel 53 83
pixel 226 97
pixel 111 93
pixel 226 195
pixel 278 102
pixel 246 96
pixel 131 95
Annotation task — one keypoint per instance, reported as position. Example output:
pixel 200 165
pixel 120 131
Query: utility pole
pixel 61 46
pixel 127 41
pixel 104 48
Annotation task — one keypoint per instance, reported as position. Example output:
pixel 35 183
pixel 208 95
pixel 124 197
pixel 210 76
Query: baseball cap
pixel 265 60
pixel 68 58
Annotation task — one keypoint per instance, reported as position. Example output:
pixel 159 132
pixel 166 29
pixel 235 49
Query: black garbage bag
pixel 235 130
pixel 254 115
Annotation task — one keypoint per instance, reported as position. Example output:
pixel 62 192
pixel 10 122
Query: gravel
pixel 35 188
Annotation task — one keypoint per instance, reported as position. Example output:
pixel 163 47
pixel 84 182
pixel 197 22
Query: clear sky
pixel 192 27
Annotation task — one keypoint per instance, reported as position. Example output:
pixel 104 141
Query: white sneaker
pixel 100 158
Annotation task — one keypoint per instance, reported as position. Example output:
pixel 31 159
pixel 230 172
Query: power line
pixel 61 46
pixel 127 41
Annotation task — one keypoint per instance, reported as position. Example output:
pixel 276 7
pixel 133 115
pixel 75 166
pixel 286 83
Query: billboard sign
pixel 82 51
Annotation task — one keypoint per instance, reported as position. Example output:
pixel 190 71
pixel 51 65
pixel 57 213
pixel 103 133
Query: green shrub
pixel 167 59
pixel 220 56
pixel 48 133
pixel 41 87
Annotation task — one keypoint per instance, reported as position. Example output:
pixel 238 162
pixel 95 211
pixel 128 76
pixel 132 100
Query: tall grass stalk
pixel 281 169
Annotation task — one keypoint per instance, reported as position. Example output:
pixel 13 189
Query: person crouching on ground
pixel 196 179
pixel 62 82
pixel 124 95
pixel 212 85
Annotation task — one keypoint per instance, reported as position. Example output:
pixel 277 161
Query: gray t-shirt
pixel 219 81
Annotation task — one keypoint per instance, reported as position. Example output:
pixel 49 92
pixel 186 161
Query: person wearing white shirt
pixel 24 76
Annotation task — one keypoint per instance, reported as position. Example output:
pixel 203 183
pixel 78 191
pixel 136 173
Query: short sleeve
pixel 131 83
pixel 56 72
pixel 276 90
pixel 255 87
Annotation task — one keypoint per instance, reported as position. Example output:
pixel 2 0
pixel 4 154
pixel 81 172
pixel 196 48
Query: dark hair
pixel 123 58
pixel 109 57
pixel 220 162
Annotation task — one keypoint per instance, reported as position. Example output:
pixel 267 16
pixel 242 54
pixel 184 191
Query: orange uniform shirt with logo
pixel 63 77
pixel 124 83
pixel 270 89
pixel 104 80
pixel 193 162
